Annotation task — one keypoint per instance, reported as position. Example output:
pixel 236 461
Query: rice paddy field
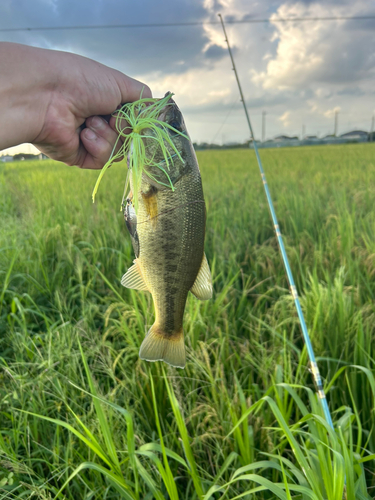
pixel 82 418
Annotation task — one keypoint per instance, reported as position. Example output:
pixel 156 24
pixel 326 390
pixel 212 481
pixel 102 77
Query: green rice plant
pixel 323 458
pixel 105 450
pixel 61 260
pixel 328 465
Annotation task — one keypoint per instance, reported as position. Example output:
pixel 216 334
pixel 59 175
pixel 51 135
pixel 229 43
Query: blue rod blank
pixel 292 286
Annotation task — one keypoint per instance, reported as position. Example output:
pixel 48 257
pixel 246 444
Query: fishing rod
pixel 292 287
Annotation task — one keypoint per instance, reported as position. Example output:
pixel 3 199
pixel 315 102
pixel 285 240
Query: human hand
pixel 64 92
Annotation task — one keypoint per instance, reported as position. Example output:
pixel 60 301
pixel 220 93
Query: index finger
pixel 131 89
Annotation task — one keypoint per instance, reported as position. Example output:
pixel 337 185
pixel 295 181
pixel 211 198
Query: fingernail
pixel 89 134
pixel 97 122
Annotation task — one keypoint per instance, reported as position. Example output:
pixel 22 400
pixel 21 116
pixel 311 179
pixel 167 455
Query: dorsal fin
pixel 202 287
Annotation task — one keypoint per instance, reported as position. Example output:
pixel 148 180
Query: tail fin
pixel 158 347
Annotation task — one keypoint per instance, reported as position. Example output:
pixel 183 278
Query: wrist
pixel 26 83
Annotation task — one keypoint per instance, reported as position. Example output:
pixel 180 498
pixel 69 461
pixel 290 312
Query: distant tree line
pixel 206 145
pixel 246 144
pixel 25 156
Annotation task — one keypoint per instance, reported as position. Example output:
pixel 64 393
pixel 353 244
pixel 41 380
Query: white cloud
pixel 285 119
pixel 319 109
pixel 318 51
pixel 219 93
pixel 196 87
pixel 307 68
pixel 323 92
pixel 330 112
pixel 313 106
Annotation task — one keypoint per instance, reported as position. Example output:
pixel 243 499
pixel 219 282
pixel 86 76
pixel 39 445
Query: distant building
pixel 286 141
pixel 6 158
pixel 282 138
pixel 355 135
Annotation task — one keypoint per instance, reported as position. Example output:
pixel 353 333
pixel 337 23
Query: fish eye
pixel 175 124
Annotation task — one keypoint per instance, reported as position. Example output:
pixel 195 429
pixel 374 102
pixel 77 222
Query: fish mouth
pixel 171 114
pixel 163 116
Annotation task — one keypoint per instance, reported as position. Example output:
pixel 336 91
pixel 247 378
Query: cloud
pixel 318 52
pixel 215 52
pixel 219 93
pixel 319 109
pixel 135 51
pixel 323 92
pixel 331 112
pixel 351 91
pixel 285 119
pixel 296 72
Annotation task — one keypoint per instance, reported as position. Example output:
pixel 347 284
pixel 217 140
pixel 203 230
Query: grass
pixel 82 417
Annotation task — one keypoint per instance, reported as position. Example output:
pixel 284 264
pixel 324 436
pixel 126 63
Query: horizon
pixel 17 149
pixel 299 73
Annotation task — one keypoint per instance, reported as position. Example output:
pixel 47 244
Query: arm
pixel 46 95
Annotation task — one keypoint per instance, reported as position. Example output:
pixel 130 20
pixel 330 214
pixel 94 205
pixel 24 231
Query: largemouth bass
pixel 167 233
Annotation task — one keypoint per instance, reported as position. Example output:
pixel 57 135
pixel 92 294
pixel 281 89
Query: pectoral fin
pixel 133 278
pixel 202 287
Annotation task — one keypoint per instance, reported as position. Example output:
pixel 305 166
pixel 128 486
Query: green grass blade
pixel 115 480
pixel 185 439
pixel 166 471
pixel 108 439
pixel 92 445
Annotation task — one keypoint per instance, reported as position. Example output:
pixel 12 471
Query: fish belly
pixel 171 229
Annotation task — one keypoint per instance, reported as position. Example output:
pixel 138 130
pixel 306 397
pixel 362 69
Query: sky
pixel 298 73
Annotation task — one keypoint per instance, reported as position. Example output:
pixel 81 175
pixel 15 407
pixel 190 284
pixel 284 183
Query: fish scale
pixel 171 258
